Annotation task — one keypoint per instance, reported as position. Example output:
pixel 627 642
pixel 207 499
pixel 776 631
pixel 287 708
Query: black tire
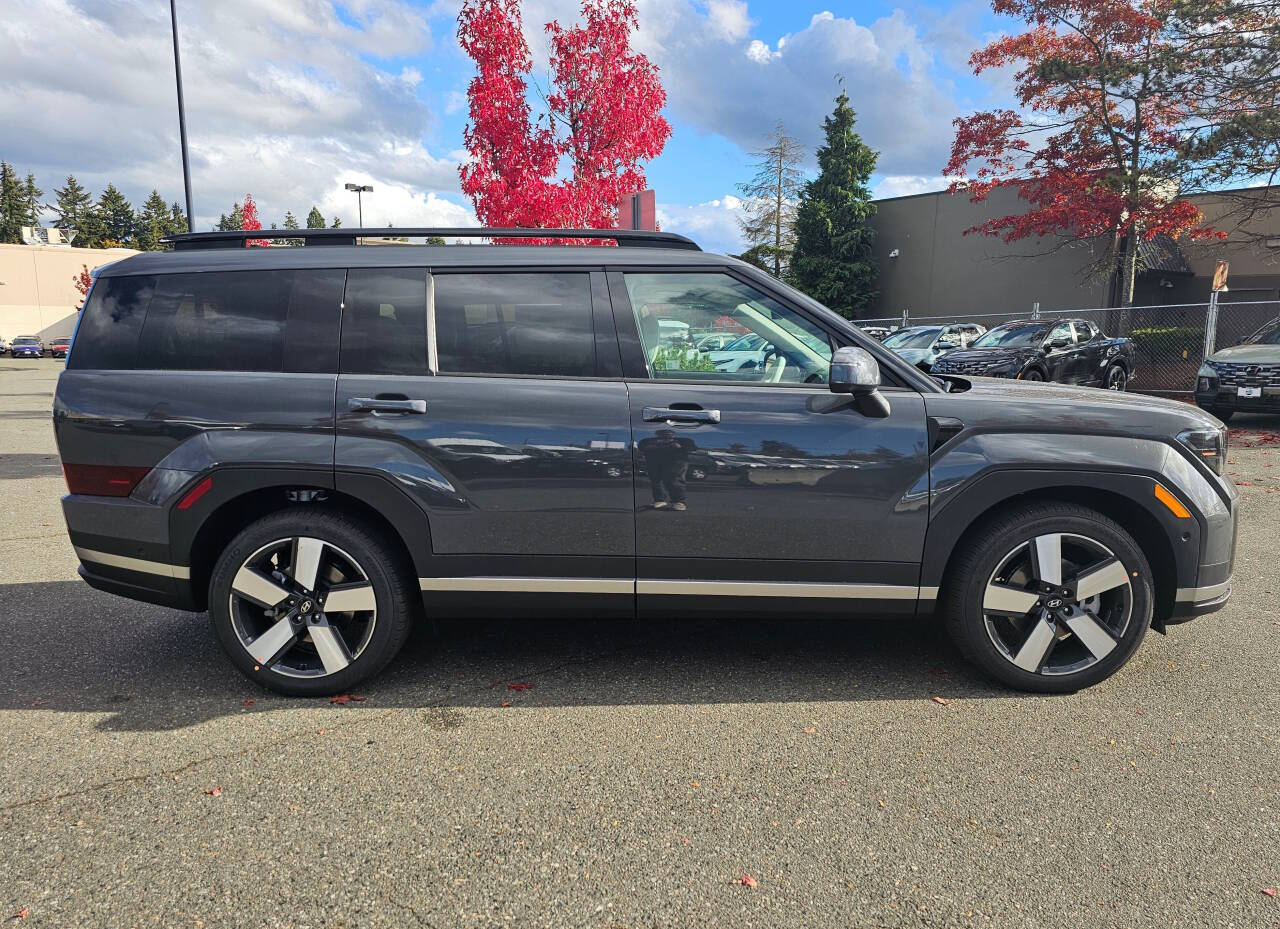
pixel 1033 375
pixel 986 549
pixel 382 563
pixel 1117 378
pixel 1222 414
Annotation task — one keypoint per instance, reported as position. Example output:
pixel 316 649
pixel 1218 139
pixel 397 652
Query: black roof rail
pixel 626 238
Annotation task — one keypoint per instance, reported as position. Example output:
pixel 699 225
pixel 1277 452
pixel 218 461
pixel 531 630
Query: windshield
pixel 747 343
pixel 1267 335
pixel 21 341
pixel 913 338
pixel 1014 335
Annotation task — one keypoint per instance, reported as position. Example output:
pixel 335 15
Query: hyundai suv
pixel 320 444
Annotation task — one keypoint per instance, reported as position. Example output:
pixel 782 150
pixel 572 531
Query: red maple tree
pixel 82 280
pixel 602 121
pixel 249 221
pixel 1097 147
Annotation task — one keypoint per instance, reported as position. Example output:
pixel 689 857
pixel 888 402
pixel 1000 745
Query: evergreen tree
pixel 31 195
pixel 234 222
pixel 768 225
pixel 759 255
pixel 336 224
pixel 435 240
pixel 832 259
pixel 12 211
pixel 73 209
pixel 177 221
pixel 291 222
pixel 315 219
pixel 115 214
pixel 152 224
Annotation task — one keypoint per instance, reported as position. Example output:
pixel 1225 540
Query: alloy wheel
pixel 302 607
pixel 1057 604
pixel 1116 379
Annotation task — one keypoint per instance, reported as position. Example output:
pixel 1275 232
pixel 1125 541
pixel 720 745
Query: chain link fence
pixel 1170 341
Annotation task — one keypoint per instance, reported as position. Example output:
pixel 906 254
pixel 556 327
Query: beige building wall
pixel 37 291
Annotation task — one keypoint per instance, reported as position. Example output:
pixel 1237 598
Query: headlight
pixel 1209 445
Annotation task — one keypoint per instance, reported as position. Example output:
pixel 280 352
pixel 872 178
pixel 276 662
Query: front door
pixel 755 485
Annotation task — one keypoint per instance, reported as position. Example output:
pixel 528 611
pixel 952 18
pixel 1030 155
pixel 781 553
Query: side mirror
pixel 1059 343
pixel 853 371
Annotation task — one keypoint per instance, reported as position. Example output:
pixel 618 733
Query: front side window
pixel 675 311
pixel 515 324
pixel 1084 331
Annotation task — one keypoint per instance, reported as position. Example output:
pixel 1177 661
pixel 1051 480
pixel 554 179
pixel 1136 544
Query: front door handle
pixel 662 414
pixel 378 405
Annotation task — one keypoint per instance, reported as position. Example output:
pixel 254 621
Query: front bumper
pixel 1199 601
pixel 1216 397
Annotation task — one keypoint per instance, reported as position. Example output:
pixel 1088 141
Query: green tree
pixel 832 259
pixel 12 210
pixel 73 210
pixel 31 195
pixel 336 224
pixel 291 222
pixel 435 240
pixel 315 219
pixel 234 222
pixel 152 224
pixel 115 214
pixel 769 208
pixel 177 220
pixel 758 255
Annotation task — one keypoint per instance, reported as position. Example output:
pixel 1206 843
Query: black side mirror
pixel 855 371
pixel 1059 343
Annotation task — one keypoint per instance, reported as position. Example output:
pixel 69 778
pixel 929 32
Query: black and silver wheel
pixel 1033 375
pixel 1117 378
pixel 1049 598
pixel 308 602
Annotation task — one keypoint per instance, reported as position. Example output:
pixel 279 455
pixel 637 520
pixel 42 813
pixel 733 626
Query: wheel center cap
pixel 1054 604
pixel 305 606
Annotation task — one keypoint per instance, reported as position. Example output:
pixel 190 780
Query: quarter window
pixel 676 312
pixel 107 334
pixel 515 324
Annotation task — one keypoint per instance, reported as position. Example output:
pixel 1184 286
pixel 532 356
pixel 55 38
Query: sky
pixel 291 99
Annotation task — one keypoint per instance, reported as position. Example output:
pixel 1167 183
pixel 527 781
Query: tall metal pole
pixel 182 116
pixel 360 206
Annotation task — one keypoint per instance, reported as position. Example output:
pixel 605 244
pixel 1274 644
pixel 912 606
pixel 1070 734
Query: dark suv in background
pixel 319 444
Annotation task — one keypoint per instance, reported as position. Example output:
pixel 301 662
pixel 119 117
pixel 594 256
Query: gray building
pixel 929 267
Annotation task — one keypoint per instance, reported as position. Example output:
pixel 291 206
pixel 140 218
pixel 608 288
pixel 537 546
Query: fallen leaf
pixel 344 699
pixel 1270 891
pixel 695 784
pixel 942 701
pixel 506 703
pixel 26 911
pixel 685 841
pixel 520 685
pixel 810 730
pixel 214 792
pixel 748 881
pixel 249 702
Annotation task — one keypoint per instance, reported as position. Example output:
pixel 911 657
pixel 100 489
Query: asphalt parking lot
pixel 647 771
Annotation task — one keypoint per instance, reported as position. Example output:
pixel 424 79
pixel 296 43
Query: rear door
pixel 493 400
pixel 757 488
pixel 1089 365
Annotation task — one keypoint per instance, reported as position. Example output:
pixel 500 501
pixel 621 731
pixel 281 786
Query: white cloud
pixel 729 19
pixel 760 53
pixel 713 225
pixel 904 185
pixel 281 102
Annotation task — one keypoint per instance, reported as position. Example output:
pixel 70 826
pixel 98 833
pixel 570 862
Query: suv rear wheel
pixel 309 603
pixel 1049 597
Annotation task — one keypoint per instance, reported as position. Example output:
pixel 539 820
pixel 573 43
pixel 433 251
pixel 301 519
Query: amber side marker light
pixel 1172 503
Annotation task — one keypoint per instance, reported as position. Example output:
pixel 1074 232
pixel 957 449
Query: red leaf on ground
pixel 748 881
pixel 942 701
pixel 810 730
pixel 214 792
pixel 520 685
pixel 344 699
pixel 249 702
pixel 685 841
pixel 23 913
pixel 506 703
pixel 1269 891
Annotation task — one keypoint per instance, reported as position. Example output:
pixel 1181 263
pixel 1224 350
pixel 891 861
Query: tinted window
pixel 913 338
pixel 515 324
pixel 107 335
pixel 242 321
pixel 384 323
pixel 1084 331
pixel 1013 335
pixel 1061 331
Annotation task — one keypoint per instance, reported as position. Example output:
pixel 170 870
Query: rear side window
pixel 384 322
pixel 242 321
pixel 107 335
pixel 516 324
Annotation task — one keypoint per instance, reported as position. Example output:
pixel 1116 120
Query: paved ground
pixel 144 782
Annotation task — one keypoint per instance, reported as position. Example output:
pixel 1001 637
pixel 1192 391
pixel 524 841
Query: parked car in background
pixel 715 341
pixel 879 333
pixel 924 345
pixel 58 348
pixel 26 346
pixel 1244 377
pixel 1068 351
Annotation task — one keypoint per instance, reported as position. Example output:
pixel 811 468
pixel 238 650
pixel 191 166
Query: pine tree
pixel 116 216
pixel 291 222
pixel 152 224
pixel 234 222
pixel 832 259
pixel 336 224
pixel 177 220
pixel 11 205
pixel 73 210
pixel 31 195
pixel 315 219
pixel 768 225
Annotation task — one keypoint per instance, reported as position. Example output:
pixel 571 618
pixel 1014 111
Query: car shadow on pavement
pixel 73 649
pixel 21 465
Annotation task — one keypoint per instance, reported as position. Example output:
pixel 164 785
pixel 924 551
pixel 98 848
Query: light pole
pixel 361 190
pixel 182 116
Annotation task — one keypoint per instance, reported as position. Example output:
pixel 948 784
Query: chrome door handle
pixel 377 405
pixel 662 414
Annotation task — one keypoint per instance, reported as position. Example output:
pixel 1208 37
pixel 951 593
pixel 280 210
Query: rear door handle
pixel 662 414
pixel 377 405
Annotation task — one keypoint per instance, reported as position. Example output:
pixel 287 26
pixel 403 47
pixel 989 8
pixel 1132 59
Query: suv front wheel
pixel 1049 597
pixel 309 602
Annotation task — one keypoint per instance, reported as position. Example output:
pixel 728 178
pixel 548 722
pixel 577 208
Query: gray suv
pixel 320 444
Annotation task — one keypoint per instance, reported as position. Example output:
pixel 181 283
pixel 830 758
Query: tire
pixel 302 649
pixel 994 576
pixel 1033 375
pixel 1117 378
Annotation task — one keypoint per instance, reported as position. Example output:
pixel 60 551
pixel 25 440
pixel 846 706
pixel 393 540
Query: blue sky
pixel 292 99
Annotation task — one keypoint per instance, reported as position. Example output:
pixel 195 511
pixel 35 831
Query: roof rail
pixel 626 238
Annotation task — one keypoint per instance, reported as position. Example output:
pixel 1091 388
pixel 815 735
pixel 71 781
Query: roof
pixel 410 256
pixel 1162 254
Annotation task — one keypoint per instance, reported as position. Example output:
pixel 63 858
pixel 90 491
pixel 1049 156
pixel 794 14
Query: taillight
pixel 103 480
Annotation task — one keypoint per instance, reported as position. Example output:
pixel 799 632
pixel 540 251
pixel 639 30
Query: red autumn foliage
pixel 83 280
pixel 603 117
pixel 1095 146
pixel 249 221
